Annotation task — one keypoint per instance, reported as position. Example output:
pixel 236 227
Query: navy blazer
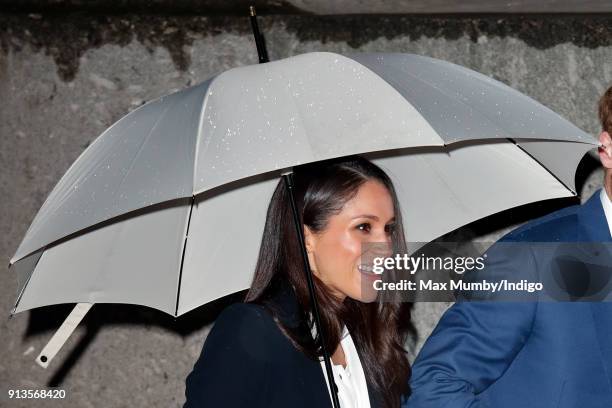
pixel 246 361
pixel 524 354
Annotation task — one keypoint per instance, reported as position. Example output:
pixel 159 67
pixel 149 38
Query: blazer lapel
pixel 376 398
pixel 290 314
pixel 602 316
pixel 595 228
pixel 593 220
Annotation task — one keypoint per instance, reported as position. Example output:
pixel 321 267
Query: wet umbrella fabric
pixel 166 208
pixel 256 119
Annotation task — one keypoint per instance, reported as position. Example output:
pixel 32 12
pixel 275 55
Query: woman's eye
pixel 364 227
pixel 389 228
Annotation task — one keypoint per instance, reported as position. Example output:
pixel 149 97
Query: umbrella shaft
pixel 288 178
pixel 262 53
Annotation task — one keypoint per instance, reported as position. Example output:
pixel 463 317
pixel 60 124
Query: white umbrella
pixel 166 208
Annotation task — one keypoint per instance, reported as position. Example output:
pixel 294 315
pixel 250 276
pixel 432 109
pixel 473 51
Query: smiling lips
pixel 369 272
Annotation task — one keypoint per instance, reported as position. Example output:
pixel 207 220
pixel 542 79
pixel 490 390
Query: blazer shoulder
pixel 243 316
pixel 558 225
pixel 233 368
pixel 249 327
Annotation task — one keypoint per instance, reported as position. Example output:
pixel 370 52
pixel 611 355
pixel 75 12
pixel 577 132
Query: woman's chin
pixel 368 293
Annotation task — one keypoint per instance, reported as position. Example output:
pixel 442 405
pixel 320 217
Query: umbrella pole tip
pixel 252 11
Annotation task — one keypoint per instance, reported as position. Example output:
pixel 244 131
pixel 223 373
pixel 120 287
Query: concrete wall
pixel 65 78
pixel 324 7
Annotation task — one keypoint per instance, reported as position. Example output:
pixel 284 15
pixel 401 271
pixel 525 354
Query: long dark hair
pixel 379 329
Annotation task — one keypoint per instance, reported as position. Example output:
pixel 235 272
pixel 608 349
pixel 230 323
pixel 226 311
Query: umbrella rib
pixel 12 313
pixel 141 147
pixel 301 120
pixel 483 114
pixel 444 93
pixel 199 136
pixel 542 165
pixel 178 290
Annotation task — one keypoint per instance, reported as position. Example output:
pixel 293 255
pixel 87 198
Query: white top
pixel 351 382
pixel 607 206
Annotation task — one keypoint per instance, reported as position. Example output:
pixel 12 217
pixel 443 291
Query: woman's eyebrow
pixel 372 216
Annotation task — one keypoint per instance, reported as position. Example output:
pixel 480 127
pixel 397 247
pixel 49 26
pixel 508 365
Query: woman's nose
pixel 384 237
pixel 383 248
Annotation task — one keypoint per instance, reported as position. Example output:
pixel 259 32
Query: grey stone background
pixel 68 74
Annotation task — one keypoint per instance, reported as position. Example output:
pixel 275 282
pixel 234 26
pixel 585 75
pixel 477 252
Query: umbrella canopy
pixel 255 119
pixel 202 163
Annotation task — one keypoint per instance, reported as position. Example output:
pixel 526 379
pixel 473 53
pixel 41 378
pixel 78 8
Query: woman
pixel 262 353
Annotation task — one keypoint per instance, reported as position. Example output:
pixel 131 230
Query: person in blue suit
pixel 528 354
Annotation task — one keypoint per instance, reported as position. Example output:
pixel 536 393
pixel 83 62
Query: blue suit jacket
pixel 523 354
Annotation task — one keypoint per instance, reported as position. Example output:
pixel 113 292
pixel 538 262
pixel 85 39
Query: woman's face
pixel 335 253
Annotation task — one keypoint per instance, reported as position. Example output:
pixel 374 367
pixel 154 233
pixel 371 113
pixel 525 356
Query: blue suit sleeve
pixel 475 341
pixel 232 369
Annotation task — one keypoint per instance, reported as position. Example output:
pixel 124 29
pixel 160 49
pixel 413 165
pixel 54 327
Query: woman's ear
pixel 605 151
pixel 309 239
pixel 310 242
